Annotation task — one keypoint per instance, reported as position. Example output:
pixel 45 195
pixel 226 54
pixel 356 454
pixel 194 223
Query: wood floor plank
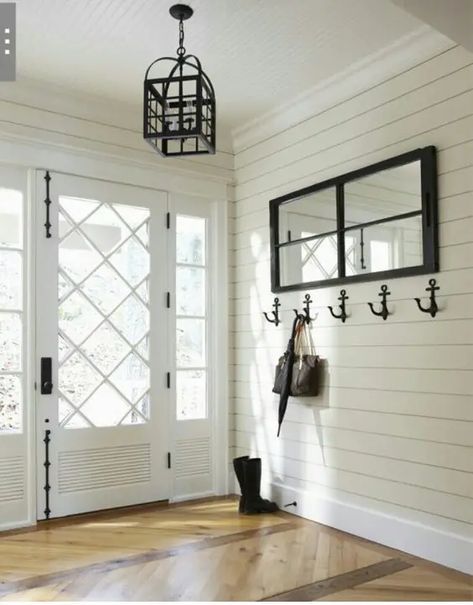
pixel 341 582
pixel 413 584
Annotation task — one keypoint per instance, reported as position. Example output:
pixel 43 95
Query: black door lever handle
pixel 46 376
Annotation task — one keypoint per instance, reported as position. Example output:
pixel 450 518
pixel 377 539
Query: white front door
pixel 101 283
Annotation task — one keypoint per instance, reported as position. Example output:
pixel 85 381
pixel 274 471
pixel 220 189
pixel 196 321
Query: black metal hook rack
pixel 383 310
pixel 433 307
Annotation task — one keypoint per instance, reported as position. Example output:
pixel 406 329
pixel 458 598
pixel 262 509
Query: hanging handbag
pixel 305 379
pixel 306 369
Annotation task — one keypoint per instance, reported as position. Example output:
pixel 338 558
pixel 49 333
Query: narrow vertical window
pixel 191 318
pixel 11 310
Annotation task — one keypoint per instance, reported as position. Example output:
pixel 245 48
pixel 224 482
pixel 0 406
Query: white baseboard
pixel 451 550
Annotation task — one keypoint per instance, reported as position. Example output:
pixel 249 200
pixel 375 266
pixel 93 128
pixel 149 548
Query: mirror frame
pixel 429 212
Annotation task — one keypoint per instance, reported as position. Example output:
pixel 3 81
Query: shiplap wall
pixel 392 431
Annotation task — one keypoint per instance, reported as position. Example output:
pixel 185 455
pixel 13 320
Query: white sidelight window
pixel 191 321
pixel 192 387
pixel 11 311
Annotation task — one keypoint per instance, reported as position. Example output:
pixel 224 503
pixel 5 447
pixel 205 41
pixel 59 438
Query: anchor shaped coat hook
pixel 342 315
pixel 276 321
pixel 433 307
pixel 384 307
pixel 306 310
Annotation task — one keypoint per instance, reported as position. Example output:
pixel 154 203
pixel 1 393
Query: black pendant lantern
pixel 179 109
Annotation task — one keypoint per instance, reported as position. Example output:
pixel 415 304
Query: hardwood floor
pixel 207 551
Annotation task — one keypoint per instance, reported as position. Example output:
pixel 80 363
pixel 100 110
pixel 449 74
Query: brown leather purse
pixel 306 367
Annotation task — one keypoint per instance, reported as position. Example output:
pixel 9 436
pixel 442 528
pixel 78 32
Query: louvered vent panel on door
pixel 12 479
pixel 192 457
pixel 104 467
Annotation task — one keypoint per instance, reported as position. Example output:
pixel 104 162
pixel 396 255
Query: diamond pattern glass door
pixel 104 316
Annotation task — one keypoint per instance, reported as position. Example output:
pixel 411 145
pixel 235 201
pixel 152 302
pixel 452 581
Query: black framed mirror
pixel 374 223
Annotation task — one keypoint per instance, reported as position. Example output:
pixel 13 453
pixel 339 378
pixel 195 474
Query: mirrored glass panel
pixel 316 212
pixel 392 245
pixel 382 195
pixel 312 260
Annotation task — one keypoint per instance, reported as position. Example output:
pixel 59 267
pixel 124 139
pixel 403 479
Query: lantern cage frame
pixel 179 110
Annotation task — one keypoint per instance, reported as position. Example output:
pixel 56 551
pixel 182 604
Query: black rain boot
pixel 254 503
pixel 239 468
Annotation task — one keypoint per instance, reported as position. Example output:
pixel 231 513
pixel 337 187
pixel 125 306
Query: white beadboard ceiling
pixel 258 53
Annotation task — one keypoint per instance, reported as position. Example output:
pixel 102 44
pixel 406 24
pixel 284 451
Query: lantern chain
pixel 181 51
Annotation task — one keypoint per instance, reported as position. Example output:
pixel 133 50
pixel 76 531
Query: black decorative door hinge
pixel 168 380
pixel 168 300
pixel 168 220
pixel 47 464
pixel 47 201
pixel 169 459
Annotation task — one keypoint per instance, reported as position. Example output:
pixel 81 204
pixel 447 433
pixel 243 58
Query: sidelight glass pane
pixel 10 279
pixel 393 245
pixel 190 291
pixel 313 260
pixel 10 342
pixel 11 214
pixel 190 240
pixel 315 212
pixel 10 403
pixel 191 394
pixel 190 343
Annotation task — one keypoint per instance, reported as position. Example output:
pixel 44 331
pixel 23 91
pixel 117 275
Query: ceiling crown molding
pixel 404 54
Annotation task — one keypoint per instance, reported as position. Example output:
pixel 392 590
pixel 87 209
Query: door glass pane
pixel 11 298
pixel 102 380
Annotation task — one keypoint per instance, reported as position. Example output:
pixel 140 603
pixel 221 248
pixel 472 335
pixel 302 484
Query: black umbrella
pixel 287 374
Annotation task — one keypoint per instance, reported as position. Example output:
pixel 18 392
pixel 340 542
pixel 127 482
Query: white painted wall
pixel 386 451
